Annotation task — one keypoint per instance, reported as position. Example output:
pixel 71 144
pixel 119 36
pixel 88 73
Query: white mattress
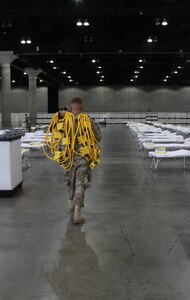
pixel 32 146
pixel 149 146
pixel 164 140
pixel 24 152
pixel 28 140
pixel 170 154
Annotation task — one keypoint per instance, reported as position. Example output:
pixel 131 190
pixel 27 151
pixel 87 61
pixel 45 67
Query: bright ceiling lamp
pixel 79 22
pixel 23 41
pixel 150 40
pixel 28 41
pixel 93 61
pixel 51 61
pixel 164 22
pixel 86 23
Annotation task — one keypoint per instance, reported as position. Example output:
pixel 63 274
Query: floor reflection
pixel 76 274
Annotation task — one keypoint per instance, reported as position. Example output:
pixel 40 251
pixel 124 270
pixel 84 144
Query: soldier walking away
pixel 77 179
pixel 72 140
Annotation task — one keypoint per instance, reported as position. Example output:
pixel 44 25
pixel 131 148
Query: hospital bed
pixel 35 149
pixel 146 147
pixel 157 156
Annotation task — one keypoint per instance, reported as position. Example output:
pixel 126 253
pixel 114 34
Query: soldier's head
pixel 76 106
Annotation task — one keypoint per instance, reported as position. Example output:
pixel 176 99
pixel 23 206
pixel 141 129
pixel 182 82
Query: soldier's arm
pixel 96 130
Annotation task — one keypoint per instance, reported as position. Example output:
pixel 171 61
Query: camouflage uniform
pixel 78 178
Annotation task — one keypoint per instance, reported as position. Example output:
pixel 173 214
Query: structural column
pixel 32 74
pixel 6 57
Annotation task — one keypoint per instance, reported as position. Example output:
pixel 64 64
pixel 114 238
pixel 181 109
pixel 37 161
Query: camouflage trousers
pixel 77 180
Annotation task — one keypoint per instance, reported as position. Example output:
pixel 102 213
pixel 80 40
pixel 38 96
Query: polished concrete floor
pixel 135 244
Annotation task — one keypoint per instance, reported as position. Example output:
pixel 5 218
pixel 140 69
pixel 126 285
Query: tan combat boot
pixel 77 215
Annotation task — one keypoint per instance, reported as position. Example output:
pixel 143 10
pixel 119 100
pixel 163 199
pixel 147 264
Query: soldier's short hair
pixel 76 101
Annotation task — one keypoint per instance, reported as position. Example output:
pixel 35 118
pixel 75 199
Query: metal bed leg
pixel 154 164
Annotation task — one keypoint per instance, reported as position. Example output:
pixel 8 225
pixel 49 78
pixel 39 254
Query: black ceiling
pixel 116 38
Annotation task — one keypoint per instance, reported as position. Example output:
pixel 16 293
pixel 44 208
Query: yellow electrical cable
pixel 64 136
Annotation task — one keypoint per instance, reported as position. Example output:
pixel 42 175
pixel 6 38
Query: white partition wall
pixel 124 117
pixel 17 119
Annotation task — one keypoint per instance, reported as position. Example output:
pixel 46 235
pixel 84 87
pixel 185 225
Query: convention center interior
pixel 94 150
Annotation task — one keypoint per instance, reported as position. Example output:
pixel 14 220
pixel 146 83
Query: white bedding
pixel 28 140
pixel 32 145
pixel 170 154
pixel 163 140
pixel 149 146
pixel 24 152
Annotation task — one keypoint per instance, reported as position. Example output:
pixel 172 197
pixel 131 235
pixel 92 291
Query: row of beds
pixel 31 144
pixel 162 141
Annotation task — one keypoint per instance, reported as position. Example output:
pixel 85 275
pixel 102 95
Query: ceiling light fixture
pixel 150 40
pixel 28 41
pixel 79 22
pixel 164 22
pixel 86 23
pixel 93 61
pixel 51 61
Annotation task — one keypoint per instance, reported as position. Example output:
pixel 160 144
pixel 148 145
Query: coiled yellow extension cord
pixel 65 136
